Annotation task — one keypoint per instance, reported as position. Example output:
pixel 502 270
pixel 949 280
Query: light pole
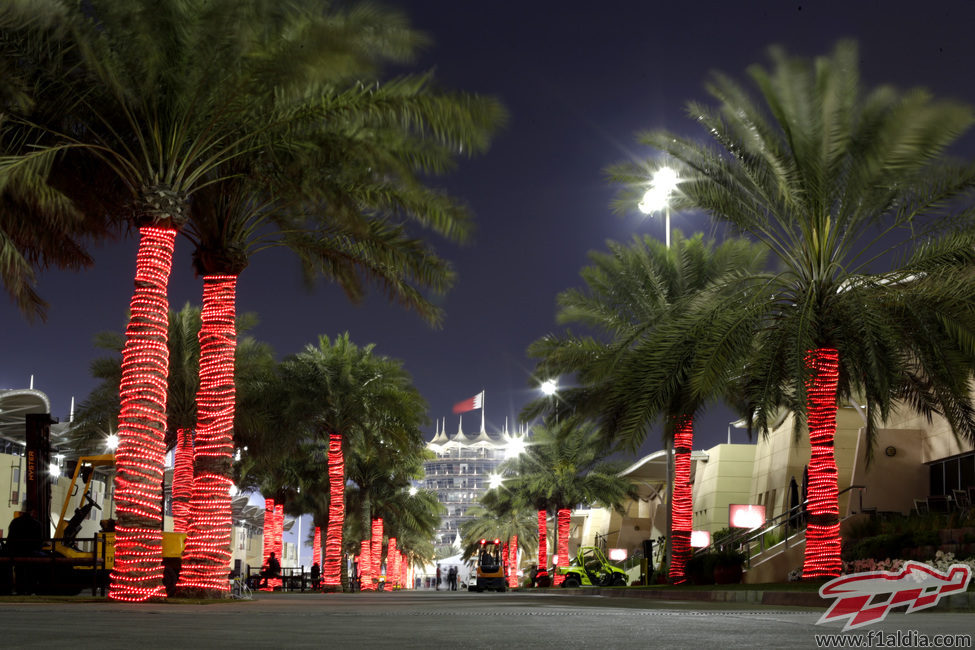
pixel 657 197
pixel 550 387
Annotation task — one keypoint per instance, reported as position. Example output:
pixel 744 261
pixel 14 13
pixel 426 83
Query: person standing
pixel 452 578
pixel 316 576
pixel 25 538
pixel 438 577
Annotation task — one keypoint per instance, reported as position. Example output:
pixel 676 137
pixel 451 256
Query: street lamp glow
pixel 549 387
pixel 494 481
pixel 662 185
pixel 514 448
pixel 413 490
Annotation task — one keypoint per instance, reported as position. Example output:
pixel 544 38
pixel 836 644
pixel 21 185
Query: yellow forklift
pixel 490 568
pixel 82 558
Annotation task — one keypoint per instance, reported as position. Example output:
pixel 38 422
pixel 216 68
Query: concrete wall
pixel 724 478
pixel 895 477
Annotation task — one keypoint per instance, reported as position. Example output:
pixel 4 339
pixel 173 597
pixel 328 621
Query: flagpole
pixel 482 411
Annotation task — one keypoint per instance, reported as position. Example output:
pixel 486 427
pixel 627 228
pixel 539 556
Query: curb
pixel 956 603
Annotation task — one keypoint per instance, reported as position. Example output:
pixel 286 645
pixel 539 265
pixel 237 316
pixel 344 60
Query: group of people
pixel 451 578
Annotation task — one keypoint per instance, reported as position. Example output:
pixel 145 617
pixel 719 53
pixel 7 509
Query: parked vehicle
pixel 590 568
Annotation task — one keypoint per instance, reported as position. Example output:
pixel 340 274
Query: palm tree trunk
pixel 332 569
pixel 138 570
pixel 822 554
pixel 563 517
pixel 268 535
pixel 206 558
pixel 513 562
pixel 365 564
pixel 316 547
pixel 681 506
pixel 392 565
pixel 182 479
pixel 376 552
pixel 542 545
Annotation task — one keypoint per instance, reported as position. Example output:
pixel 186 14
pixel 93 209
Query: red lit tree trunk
pixel 365 565
pixel 376 551
pixel 392 564
pixel 268 536
pixel 316 547
pixel 822 554
pixel 513 562
pixel 139 458
pixel 206 558
pixel 332 568
pixel 542 545
pixel 681 506
pixel 563 517
pixel 182 480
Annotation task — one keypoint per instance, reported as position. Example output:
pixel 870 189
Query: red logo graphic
pixel 916 585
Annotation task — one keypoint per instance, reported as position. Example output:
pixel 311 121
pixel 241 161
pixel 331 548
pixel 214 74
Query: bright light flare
pixel 661 187
pixel 495 481
pixel 550 387
pixel 514 448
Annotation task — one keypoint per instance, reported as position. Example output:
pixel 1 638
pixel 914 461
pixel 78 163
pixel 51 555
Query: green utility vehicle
pixel 590 568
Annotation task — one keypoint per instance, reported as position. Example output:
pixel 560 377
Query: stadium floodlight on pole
pixel 657 198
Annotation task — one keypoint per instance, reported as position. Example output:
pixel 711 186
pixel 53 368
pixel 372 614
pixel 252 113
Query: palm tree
pixel 834 182
pixel 564 466
pixel 343 393
pixel 162 98
pixel 336 202
pixel 630 292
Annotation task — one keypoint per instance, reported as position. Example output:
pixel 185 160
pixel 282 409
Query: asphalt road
pixel 430 619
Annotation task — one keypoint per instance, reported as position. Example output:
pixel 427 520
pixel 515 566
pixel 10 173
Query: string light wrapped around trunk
pixel 563 517
pixel 392 565
pixel 365 566
pixel 139 458
pixel 822 554
pixel 278 539
pixel 206 558
pixel 332 567
pixel 542 545
pixel 681 506
pixel 182 479
pixel 513 562
pixel 268 535
pixel 376 554
pixel 316 548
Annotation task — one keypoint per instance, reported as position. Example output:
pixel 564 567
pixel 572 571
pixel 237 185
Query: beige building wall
pixel 724 478
pixel 896 475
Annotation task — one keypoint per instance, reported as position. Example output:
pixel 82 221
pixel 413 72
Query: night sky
pixel 579 83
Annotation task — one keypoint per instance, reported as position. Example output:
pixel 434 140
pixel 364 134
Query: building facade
pixel 460 474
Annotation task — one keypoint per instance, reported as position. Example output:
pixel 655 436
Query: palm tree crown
pixel 834 182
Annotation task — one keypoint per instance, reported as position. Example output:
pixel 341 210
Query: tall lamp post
pixel 657 198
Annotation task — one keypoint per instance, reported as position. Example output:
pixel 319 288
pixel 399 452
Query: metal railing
pixel 746 540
